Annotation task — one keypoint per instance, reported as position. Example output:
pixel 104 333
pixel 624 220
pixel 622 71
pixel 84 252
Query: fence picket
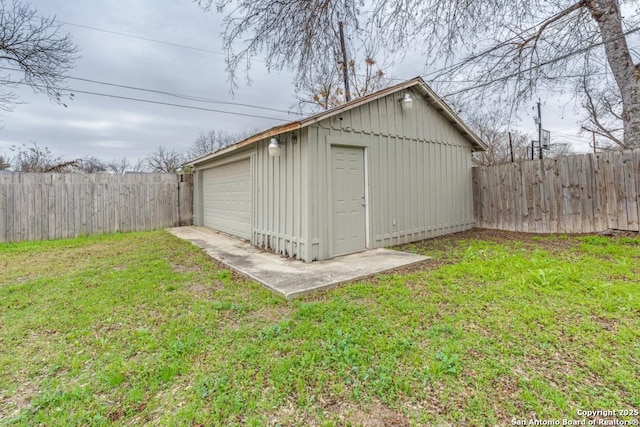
pixel 630 190
pixel 636 168
pixel 55 206
pixel 571 194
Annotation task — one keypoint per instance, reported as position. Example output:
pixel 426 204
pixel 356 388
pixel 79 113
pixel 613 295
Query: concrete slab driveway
pixel 289 277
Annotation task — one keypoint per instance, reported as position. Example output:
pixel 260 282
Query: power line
pixel 176 95
pixel 401 79
pixel 133 36
pixel 570 137
pixel 148 101
pixel 542 64
pixel 439 98
pixel 142 38
pixel 440 71
pixel 498 46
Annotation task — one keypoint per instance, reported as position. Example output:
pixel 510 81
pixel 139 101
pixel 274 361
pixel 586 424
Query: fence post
pixel 55 206
pixel 185 200
pixel 571 194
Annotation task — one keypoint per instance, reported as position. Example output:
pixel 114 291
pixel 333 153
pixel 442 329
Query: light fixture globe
pixel 406 103
pixel 274 148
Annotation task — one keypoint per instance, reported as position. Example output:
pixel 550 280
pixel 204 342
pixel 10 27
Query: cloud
pixel 110 128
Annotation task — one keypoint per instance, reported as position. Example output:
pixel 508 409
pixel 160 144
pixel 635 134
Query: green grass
pixel 129 329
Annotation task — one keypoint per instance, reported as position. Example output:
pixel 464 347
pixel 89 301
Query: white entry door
pixel 348 190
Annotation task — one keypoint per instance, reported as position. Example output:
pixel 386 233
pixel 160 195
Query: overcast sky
pixel 111 128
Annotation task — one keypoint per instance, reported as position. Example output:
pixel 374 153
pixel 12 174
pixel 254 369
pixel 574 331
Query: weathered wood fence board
pixel 573 194
pixel 43 206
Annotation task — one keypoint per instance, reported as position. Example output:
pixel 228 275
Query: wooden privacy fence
pixel 42 206
pixel 573 194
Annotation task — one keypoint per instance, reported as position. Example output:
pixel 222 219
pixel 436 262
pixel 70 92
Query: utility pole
pixel 593 139
pixel 533 149
pixel 511 146
pixel 345 64
pixel 539 130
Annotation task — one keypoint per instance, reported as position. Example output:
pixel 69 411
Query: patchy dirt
pixel 205 291
pixel 19 280
pixel 10 406
pixel 180 268
pixel 543 241
pixel 438 246
pixel 619 233
pixel 549 242
pixel 606 324
pixel 116 414
pixel 373 414
pixel 272 314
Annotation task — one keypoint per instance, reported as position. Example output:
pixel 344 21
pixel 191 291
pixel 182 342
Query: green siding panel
pixel 419 170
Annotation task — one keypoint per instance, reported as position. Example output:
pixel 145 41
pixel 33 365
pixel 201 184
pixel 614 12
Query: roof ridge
pixel 445 109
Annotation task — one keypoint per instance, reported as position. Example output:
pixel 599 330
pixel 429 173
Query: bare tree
pixel 208 142
pixel 120 165
pixel 4 163
pixel 123 165
pixel 326 91
pixel 164 160
pixel 34 47
pixel 89 164
pixel 492 128
pixel 298 34
pixel 500 147
pixel 34 158
pixel 139 166
pixel 513 46
pixel 559 149
pixel 518 46
pixel 603 107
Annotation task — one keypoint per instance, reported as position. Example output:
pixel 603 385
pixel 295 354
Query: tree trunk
pixel 607 15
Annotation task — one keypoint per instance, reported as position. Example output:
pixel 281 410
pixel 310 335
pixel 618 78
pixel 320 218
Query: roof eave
pixel 248 141
pixel 427 93
pixel 360 101
pixel 430 96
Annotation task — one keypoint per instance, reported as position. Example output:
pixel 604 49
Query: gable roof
pixel 417 83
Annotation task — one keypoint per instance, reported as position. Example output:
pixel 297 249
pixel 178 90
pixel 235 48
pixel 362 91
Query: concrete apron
pixel 288 277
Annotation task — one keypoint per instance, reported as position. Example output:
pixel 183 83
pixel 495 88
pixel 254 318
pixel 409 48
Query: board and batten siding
pixel 279 196
pixel 281 204
pixel 418 172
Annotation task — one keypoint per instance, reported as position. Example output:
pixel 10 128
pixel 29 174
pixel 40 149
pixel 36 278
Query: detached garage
pixel 389 168
pixel 226 198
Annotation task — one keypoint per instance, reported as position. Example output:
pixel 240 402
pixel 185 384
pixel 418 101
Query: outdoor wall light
pixel 406 103
pixel 274 148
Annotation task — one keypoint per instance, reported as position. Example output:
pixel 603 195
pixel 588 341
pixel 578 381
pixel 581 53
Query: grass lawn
pixel 129 329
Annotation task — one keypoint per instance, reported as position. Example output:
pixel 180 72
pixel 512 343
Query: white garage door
pixel 226 194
